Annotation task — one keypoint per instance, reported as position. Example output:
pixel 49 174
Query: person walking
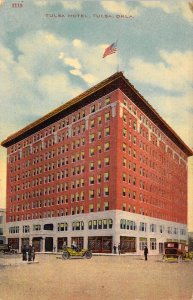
pixel 33 254
pixel 119 249
pixel 114 249
pixel 145 252
pixel 29 253
pixel 24 250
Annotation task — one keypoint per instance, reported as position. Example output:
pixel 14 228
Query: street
pixel 102 277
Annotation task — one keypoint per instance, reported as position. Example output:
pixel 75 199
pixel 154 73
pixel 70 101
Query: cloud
pixel 72 62
pixel 77 43
pixel 72 4
pixel 169 7
pixel 120 7
pixel 174 71
pixel 67 4
pixel 56 86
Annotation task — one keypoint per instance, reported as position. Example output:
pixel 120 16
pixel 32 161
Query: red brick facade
pixel 105 151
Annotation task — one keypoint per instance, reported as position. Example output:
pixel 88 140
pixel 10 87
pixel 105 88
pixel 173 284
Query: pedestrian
pixel 33 254
pixel 119 249
pixel 24 250
pixel 114 249
pixel 145 252
pixel 30 253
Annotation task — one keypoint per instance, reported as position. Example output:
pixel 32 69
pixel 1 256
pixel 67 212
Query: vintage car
pixel 176 252
pixel 5 248
pixel 69 252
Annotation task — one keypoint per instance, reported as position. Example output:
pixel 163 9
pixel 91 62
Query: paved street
pixel 102 277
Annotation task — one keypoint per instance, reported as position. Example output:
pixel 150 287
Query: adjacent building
pixel 102 169
pixel 2 226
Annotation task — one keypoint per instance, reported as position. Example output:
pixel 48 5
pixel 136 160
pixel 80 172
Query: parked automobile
pixel 175 251
pixel 69 252
pixel 5 248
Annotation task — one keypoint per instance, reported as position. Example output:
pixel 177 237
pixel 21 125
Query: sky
pixel 51 51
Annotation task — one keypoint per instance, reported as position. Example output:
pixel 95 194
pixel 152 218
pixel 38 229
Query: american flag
pixel 110 50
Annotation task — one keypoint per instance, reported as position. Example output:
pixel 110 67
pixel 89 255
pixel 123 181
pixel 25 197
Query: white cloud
pixel 77 43
pixel 169 7
pixel 72 4
pixel 120 7
pixel 57 86
pixel 174 71
pixel 67 4
pixel 72 62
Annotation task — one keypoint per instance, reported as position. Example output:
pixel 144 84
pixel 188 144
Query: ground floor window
pixel 14 243
pixel 152 244
pixel 61 242
pixel 127 244
pixel 142 243
pixel 79 241
pixel 100 244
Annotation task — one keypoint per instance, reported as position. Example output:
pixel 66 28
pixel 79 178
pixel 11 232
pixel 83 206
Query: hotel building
pixel 102 169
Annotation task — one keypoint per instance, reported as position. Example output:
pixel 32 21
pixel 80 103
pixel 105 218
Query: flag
pixel 110 50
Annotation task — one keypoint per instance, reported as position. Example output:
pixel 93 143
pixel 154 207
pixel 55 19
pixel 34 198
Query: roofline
pixel 123 83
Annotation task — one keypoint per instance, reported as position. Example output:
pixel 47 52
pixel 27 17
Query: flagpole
pixel 117 56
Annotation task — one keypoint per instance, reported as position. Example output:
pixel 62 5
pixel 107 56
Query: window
pixel 106 176
pixel 91 179
pixel 92 123
pixel 107 131
pixel 152 244
pixel 99 178
pixel 99 135
pixel 91 137
pixel 124 207
pixel 91 194
pixel 90 225
pixel 99 120
pixel 99 148
pixel 62 226
pixel 107 161
pixel 91 151
pixel 152 227
pixel 104 224
pixel 124 132
pixel 143 226
pixel 107 117
pixel 92 109
pixel 124 192
pixel 106 205
pixel 107 146
pixel 124 147
pixel 124 162
pixel 99 164
pixel 91 166
pixel 107 101
pixel 142 243
pixel 106 191
pixel 91 208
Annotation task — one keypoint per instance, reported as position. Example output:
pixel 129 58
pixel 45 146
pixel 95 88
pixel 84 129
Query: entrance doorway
pixel 36 243
pixel 161 248
pixel 49 244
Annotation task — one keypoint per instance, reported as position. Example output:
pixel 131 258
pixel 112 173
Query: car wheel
pixel 88 254
pixel 65 255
